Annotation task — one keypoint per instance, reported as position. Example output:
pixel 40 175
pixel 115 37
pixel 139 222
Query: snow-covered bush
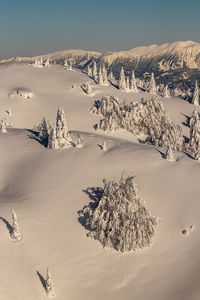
pixel 119 219
pixel 166 92
pixel 3 125
pixel 147 117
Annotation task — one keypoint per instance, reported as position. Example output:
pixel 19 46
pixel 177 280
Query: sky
pixel 33 27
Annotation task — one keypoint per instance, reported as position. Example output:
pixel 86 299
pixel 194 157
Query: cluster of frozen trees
pixel 99 75
pixel 127 84
pixel 119 219
pixel 57 136
pixel 147 117
pixel 39 63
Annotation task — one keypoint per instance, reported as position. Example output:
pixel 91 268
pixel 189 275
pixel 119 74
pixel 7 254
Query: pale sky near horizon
pixel 36 27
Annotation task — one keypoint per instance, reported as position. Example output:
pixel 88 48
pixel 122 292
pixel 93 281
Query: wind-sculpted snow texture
pixel 119 220
pixel 147 117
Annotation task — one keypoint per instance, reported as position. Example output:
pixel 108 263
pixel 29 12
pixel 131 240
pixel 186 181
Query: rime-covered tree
pixel 194 118
pixel 147 118
pixel 62 134
pixel 100 77
pixel 197 153
pixel 127 84
pixel 170 154
pixel 47 63
pixel 94 71
pixel 52 140
pixel 104 74
pixel 195 99
pixel 49 285
pixel 166 92
pixel 89 71
pixel 119 219
pixel 152 85
pixel 194 135
pixel 87 89
pixel 3 125
pixel 111 77
pixel 122 80
pixel 44 130
pixel 66 63
pixel 15 233
pixel 133 84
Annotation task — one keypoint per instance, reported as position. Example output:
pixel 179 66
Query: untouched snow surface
pixel 46 190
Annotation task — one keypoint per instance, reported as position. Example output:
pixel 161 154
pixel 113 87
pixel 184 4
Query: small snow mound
pixel 21 92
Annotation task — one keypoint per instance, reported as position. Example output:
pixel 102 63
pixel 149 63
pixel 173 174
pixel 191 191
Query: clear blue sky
pixel 31 27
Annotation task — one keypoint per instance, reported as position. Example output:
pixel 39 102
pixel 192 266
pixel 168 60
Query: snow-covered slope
pixel 46 189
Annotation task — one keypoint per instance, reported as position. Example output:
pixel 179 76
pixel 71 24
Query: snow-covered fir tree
pixel 94 72
pixel 166 92
pixel 87 89
pixel 195 98
pixel 152 85
pixel 66 63
pixel 89 71
pixel 197 153
pixel 47 63
pixel 4 125
pixel 100 77
pixel 79 143
pixel 70 66
pixel 15 233
pixel 52 140
pixel 133 85
pixel 194 118
pixel 119 220
pixel 122 80
pixel 127 84
pixel 44 129
pixel 194 134
pixel 104 74
pixel 170 154
pixel 49 285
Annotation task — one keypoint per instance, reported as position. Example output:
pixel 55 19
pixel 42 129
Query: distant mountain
pixel 177 64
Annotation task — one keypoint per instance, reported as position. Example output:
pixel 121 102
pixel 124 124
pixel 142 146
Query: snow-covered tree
pixel 194 118
pixel 119 219
pixel 170 154
pixel 100 77
pixel 195 99
pixel 152 85
pixel 52 140
pixel 44 130
pixel 15 233
pixel 147 117
pixel 194 134
pixel 87 89
pixel 47 63
pixel 79 143
pixel 66 63
pixel 111 77
pixel 122 80
pixel 89 71
pixel 94 71
pixel 104 74
pixel 166 92
pixel 70 66
pixel 49 285
pixel 197 153
pixel 133 83
pixel 3 125
pixel 127 84
pixel 104 146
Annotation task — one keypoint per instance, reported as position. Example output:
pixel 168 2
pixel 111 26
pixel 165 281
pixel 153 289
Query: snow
pixel 46 190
